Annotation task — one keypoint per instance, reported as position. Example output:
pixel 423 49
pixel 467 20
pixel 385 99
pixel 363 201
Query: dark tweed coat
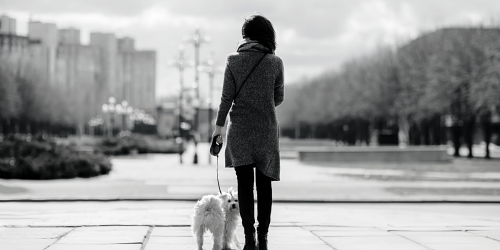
pixel 252 132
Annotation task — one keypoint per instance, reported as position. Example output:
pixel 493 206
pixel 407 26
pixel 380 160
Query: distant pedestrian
pixel 253 87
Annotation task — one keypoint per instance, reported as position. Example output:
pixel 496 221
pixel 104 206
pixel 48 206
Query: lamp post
pixel 110 108
pixel 197 40
pixel 124 109
pixel 180 63
pixel 94 122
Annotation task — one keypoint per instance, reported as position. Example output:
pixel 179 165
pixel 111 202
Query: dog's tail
pixel 208 213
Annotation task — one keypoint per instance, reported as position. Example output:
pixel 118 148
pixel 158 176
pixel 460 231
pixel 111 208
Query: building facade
pixel 87 74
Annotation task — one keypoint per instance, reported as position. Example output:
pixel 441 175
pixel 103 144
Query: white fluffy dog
pixel 219 214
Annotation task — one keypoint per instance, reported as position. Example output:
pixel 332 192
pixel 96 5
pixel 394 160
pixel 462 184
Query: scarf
pixel 252 45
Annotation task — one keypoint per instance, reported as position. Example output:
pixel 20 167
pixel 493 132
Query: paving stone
pixel 169 242
pixel 491 234
pixel 55 224
pixel 471 228
pixel 105 235
pixel 172 240
pixel 336 228
pixel 172 231
pixel 26 244
pixel 298 247
pixel 172 246
pixel 338 233
pixel 285 239
pixel 441 234
pixel 455 240
pixel 192 246
pixel 32 233
pixel 427 238
pixel 417 229
pixel 350 229
pixel 286 229
pixel 25 247
pixel 101 241
pixel 452 240
pixel 373 243
pixel 115 228
pixel 289 232
pixel 462 246
pixel 102 238
pixel 96 247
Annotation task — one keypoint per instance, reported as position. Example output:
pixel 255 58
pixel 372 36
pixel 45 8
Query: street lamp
pixel 196 39
pixel 210 68
pixel 142 116
pixel 94 122
pixel 124 109
pixel 111 109
pixel 180 63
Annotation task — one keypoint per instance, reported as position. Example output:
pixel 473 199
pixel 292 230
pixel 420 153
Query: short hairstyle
pixel 259 28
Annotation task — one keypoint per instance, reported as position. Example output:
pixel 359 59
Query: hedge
pixel 23 157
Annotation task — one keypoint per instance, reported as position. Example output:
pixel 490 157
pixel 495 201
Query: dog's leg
pixel 218 234
pixel 226 244
pixel 236 242
pixel 199 237
pixel 226 240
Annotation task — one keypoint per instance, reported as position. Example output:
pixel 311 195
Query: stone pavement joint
pixel 146 238
pixel 166 225
pixel 280 237
pixel 328 244
pixel 411 240
pixel 61 236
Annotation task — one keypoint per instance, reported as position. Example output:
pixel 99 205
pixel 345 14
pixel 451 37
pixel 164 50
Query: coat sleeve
pixel 279 86
pixel 228 92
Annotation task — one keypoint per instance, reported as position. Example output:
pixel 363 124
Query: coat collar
pixel 252 45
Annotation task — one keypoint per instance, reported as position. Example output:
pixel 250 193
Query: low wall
pixel 288 144
pixel 373 154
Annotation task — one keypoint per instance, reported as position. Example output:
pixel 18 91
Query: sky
pixel 313 36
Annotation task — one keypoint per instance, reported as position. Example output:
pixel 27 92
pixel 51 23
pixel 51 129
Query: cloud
pixel 376 23
pixel 111 7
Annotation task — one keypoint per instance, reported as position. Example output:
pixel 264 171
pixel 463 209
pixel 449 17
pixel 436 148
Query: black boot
pixel 262 241
pixel 249 242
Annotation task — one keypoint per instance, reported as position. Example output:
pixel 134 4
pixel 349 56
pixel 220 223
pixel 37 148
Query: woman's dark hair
pixel 257 27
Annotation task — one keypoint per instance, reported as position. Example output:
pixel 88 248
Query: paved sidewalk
pixel 165 225
pixel 161 177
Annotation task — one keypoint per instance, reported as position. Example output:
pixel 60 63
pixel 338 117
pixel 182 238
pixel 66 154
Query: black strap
pixel 246 78
pixel 218 184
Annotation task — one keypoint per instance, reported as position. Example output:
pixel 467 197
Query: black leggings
pixel 245 175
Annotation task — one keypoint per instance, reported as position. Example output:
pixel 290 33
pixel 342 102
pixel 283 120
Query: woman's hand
pixel 217 132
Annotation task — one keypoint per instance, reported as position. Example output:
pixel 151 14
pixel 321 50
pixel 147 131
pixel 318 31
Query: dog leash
pixel 218 184
pixel 214 150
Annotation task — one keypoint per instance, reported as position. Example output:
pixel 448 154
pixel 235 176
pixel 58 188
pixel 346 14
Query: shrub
pixel 143 144
pixel 23 158
pixel 122 145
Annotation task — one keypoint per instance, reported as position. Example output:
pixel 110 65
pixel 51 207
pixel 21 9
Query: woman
pixel 252 132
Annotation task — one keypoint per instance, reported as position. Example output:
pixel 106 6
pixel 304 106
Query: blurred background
pixel 384 100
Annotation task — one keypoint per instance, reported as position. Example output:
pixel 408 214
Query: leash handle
pixel 218 184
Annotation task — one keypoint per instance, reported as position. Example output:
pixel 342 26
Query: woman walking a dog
pixel 253 86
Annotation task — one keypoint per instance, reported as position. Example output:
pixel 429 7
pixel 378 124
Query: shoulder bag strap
pixel 246 78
